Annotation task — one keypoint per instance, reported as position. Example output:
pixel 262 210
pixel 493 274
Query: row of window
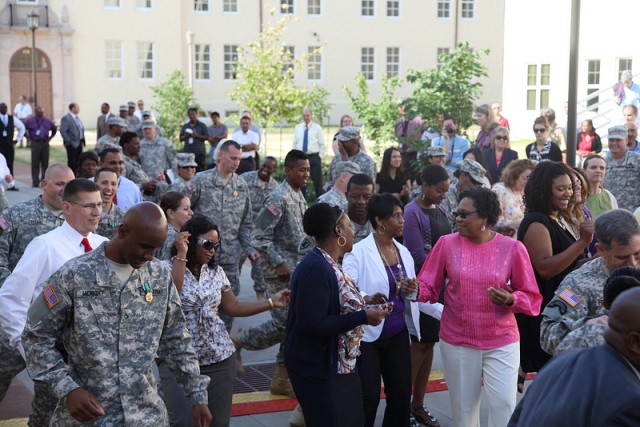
pixel 314 7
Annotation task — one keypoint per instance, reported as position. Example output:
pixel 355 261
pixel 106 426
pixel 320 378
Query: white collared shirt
pixel 16 124
pixel 245 139
pixel 315 141
pixel 22 111
pixel 42 257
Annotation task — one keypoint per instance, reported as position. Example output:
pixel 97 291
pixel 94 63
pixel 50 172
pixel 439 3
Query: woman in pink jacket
pixel 489 279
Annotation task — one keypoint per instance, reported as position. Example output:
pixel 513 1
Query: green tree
pixel 174 98
pixel 452 88
pixel 379 115
pixel 266 73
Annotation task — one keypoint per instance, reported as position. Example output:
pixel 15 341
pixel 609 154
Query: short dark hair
pixel 537 192
pixel 360 179
pixel 273 159
pixel 171 200
pixel 381 206
pixel 215 114
pixel 618 226
pixel 433 174
pixel 479 157
pixel 293 156
pixel 319 221
pixel 619 281
pixel 192 109
pixel 486 203
pixel 449 117
pixel 197 226
pixel 73 104
pixel 108 150
pixel 87 155
pixel 101 170
pixel 230 143
pixel 127 137
pixel 76 186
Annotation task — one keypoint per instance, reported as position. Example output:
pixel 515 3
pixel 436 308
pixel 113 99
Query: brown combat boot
pixel 280 383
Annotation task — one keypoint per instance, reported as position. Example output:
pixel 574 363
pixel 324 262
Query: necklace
pixel 400 277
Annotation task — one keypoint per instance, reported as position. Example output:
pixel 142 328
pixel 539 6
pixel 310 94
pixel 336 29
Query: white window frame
pixel 538 86
pixel 315 61
pixel 150 2
pixel 393 6
pixel 368 67
pixel 141 62
pixel 621 69
pixel 27 2
pixel 443 8
pixel 369 6
pixel 202 62
pixel 228 62
pixel 594 74
pixel 289 9
pixel 468 8
pixel 198 6
pixel 113 59
pixel 440 51
pixel 311 8
pixel 117 6
pixel 289 65
pixel 393 53
pixel 230 4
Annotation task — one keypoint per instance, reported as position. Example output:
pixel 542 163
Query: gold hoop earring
pixel 344 241
pixel 384 229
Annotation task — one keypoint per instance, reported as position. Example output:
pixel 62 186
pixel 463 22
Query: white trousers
pixel 466 367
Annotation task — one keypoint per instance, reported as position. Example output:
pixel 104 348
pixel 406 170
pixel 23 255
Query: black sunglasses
pixel 539 130
pixel 207 245
pixel 462 215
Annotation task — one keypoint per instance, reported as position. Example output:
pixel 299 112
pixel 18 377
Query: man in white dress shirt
pixel 23 111
pixel 128 192
pixel 82 206
pixel 250 141
pixel 308 137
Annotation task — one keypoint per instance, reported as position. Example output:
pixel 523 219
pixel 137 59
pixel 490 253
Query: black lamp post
pixel 33 20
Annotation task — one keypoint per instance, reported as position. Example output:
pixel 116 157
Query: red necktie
pixel 86 244
pixel 115 199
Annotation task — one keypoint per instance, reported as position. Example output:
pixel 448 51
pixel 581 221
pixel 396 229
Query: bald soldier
pixel 599 386
pixel 114 309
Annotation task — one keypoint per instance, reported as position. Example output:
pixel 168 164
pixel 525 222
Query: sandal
pixel 520 386
pixel 424 417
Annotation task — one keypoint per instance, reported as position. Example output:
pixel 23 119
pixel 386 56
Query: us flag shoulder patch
pixel 4 224
pixel 569 297
pixel 50 296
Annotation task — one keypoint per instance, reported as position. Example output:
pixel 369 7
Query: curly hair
pixel 197 226
pixel 319 221
pixel 537 192
pixel 574 213
pixel 486 203
pixel 619 281
pixel 512 172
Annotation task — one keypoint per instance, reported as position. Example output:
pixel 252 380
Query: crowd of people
pixel 131 258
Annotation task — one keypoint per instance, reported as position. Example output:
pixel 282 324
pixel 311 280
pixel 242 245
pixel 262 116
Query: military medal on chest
pixel 148 295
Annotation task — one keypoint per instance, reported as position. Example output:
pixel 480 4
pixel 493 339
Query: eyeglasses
pixel 90 206
pixel 207 245
pixel 502 138
pixel 462 215
pixel 539 130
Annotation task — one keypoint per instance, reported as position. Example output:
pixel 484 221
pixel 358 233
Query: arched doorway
pixel 22 83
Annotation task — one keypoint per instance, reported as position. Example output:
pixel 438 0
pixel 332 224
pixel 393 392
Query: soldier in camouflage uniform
pixel 359 190
pixel 222 196
pixel 261 184
pixel 117 126
pixel 133 122
pixel 623 170
pixel 186 171
pixel 348 140
pixel 277 235
pixel 336 196
pixel 112 215
pixel 156 154
pixel 133 170
pixel 575 317
pixel 469 175
pixel 113 324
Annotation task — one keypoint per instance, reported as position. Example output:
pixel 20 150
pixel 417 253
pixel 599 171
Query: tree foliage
pixel 174 98
pixel 266 85
pixel 379 115
pixel 452 88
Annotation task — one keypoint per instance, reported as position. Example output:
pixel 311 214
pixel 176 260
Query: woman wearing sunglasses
pixel 543 148
pixel 490 278
pixel 204 288
pixel 500 154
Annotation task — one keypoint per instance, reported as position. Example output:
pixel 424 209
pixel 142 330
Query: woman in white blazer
pixel 380 266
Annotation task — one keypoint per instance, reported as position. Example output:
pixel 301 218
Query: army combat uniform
pixel 277 235
pixel 181 186
pixel 623 180
pixel 133 171
pixel 362 159
pixel 110 221
pixel 112 333
pixel 157 156
pixel 259 191
pixel 578 299
pixel 334 198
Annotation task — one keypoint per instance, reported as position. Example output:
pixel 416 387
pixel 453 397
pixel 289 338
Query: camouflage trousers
pixel 44 399
pixel 272 331
pixel 256 274
pixel 233 274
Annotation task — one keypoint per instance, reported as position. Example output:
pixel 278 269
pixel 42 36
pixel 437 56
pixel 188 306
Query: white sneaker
pixel 297 418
